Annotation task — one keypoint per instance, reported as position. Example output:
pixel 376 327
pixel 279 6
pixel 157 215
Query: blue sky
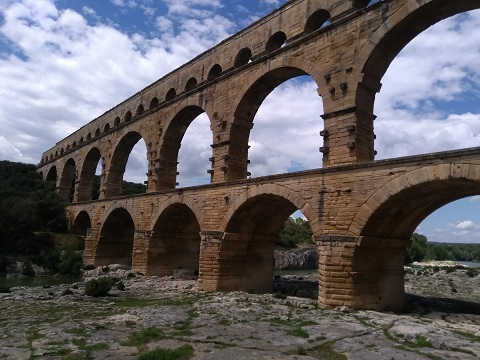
pixel 65 62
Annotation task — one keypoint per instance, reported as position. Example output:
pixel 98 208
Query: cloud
pixel 124 3
pixel 466 225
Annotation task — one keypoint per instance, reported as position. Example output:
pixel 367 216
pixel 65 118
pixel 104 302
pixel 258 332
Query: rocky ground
pixel 442 321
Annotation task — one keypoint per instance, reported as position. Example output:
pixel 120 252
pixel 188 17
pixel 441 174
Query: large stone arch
pixel 116 238
pixel 252 226
pixel 388 40
pixel 51 174
pixel 116 167
pixel 280 191
pixel 171 141
pixel 416 194
pixel 385 222
pixel 180 199
pixel 174 243
pixel 249 99
pixel 87 174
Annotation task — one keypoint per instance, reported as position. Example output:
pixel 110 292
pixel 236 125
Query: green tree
pixel 294 233
pixel 417 249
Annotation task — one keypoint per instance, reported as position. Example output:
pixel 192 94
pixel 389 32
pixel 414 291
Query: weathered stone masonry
pixel 362 212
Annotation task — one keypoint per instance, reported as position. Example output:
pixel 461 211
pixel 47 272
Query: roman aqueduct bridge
pixel 362 212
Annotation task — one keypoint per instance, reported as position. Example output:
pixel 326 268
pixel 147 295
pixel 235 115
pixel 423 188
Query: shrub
pixel 98 287
pixel 472 272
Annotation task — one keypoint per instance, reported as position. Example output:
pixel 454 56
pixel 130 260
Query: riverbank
pixel 60 322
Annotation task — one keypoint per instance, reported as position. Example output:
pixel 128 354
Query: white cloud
pixel 475 198
pixel 124 3
pixel 466 225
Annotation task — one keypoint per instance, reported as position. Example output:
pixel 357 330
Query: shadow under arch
pixel 174 244
pixel 115 242
pixel 66 184
pixel 385 223
pixel 81 224
pixel 87 174
pixel 251 97
pixel 116 169
pixel 387 42
pixel 52 175
pixel 245 257
pixel 170 145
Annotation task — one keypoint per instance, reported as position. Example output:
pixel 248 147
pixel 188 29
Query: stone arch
pixel 175 239
pixel 272 189
pixel 128 116
pixel 385 222
pixel 215 72
pixel 153 103
pixel 66 185
pixel 116 168
pixel 170 143
pixel 191 84
pixel 81 224
pixel 388 40
pixel 139 110
pixel 252 225
pixel 276 41
pixel 87 175
pixel 52 175
pixel 116 122
pixel 316 21
pixel 185 200
pixel 171 94
pixel 243 57
pixel 115 242
pixel 410 198
pixel 106 128
pixel 251 96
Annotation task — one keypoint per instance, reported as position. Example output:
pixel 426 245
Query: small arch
pixel 116 122
pixel 214 72
pixel 153 103
pixel 243 57
pixel 171 94
pixel 81 140
pixel 68 147
pixel 275 42
pixel 128 116
pixel 56 153
pixel 62 151
pixel 140 110
pixel 89 136
pixel 358 4
pixel 191 83
pixel 317 20
pixel 97 132
pixel 107 127
pixel 51 156
pixel 74 144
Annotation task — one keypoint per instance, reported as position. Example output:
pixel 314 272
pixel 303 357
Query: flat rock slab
pixel 167 313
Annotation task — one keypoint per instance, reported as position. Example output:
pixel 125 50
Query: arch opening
pixel 116 122
pixel 129 160
pixel 89 179
pixel 52 175
pixel 175 243
pixel 153 103
pixel 380 256
pixel 128 116
pixel 139 110
pixel 66 188
pixel 106 128
pixel 433 105
pixel 284 101
pixel 243 57
pixel 246 257
pixel 275 42
pixel 189 161
pixel 81 224
pixel 214 72
pixel 191 84
pixel 115 244
pixel 171 94
pixel 317 20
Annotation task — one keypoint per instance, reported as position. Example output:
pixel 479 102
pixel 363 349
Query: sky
pixel 65 62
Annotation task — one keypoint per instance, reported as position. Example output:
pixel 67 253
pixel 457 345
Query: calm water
pixel 36 281
pixel 469 264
